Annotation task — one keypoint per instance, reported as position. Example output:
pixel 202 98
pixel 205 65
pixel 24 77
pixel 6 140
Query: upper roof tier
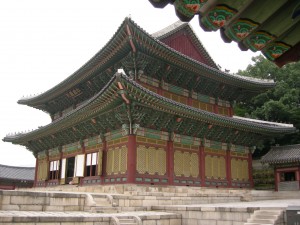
pixel 134 50
pixel 272 27
pixel 123 101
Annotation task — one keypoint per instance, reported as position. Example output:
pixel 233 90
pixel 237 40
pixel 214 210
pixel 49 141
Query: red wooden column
pixel 277 179
pixel 202 165
pixel 298 175
pixel 84 169
pixel 228 168
pixel 131 159
pixel 170 162
pixel 104 159
pixel 36 171
pixel 250 168
pixel 216 106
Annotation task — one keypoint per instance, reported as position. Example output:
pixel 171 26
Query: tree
pixel 280 104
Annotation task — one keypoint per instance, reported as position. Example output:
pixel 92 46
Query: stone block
pixel 6 219
pixel 63 201
pixel 136 203
pixel 208 209
pixel 10 207
pixel 27 200
pixel 72 208
pixel 207 222
pixel 224 222
pixel 211 215
pixel 5 200
pixel 31 207
pixel 163 222
pixel 190 222
pixel 175 221
pixel 53 208
pixel 149 202
pixel 149 222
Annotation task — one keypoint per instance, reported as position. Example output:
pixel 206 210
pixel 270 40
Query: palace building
pixel 148 109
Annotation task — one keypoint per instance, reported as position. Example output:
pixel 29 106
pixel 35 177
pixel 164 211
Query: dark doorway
pixel 289 176
pixel 70 168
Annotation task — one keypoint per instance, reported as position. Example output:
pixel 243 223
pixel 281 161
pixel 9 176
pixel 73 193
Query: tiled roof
pixel 271 27
pixel 17 173
pixel 282 154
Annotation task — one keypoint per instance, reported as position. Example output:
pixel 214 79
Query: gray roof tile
pixel 282 154
pixel 17 173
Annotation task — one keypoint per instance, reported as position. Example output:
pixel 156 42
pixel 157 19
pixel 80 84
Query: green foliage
pixel 280 104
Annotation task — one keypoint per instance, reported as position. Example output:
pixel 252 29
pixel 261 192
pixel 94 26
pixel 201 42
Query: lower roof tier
pixel 123 102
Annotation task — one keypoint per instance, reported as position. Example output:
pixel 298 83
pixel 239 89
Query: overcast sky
pixel 44 42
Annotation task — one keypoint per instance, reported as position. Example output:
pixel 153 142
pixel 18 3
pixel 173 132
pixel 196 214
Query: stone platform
pixel 144 205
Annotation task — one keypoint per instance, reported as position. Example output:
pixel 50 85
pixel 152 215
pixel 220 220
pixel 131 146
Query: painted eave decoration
pixel 99 113
pixel 147 48
pixel 269 26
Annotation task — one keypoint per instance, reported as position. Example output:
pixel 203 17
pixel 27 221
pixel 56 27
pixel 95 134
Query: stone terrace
pixel 147 205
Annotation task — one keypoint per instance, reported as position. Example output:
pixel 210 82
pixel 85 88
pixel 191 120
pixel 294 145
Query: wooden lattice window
pixel 186 164
pixel 54 170
pixel 151 160
pixel 215 167
pixel 91 163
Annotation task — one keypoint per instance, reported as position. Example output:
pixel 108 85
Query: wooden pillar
pixel 170 162
pixel 277 179
pixel 250 169
pixel 131 159
pixel 36 171
pixel 231 112
pixel 202 165
pixel 104 161
pixel 159 91
pixel 298 171
pixel 228 168
pixel 189 101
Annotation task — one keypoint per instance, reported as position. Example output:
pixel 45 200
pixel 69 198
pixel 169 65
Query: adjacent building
pixel 12 177
pixel 286 163
pixel 148 109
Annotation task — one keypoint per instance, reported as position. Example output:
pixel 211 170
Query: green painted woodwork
pixel 275 50
pixel 186 9
pixel 158 62
pixel 106 111
pixel 92 141
pixel 154 134
pixel 217 17
pixel 54 152
pixel 73 147
pixel 186 140
pixel 115 134
pixel 240 29
pixel 42 154
pixel 258 40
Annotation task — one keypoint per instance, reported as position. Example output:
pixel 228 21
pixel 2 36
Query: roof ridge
pixel 16 167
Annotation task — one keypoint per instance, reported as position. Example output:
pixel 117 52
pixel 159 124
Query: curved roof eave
pixel 77 76
pixel 176 107
pixel 218 74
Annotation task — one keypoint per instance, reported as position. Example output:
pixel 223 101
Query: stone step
pixel 102 202
pixel 127 222
pixel 261 221
pixel 261 216
pixel 267 212
pixel 258 224
pixel 105 209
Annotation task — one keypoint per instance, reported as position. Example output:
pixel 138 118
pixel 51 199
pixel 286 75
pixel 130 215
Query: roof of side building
pixel 16 173
pixel 282 154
